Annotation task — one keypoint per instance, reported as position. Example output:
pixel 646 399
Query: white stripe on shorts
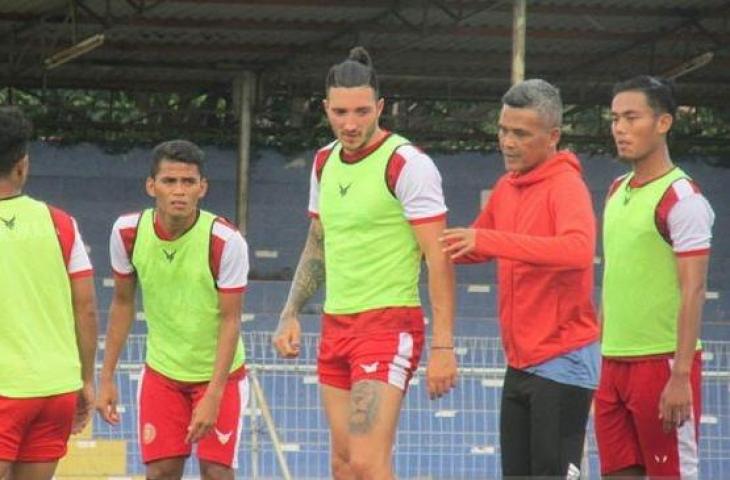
pixel 398 368
pixel 243 392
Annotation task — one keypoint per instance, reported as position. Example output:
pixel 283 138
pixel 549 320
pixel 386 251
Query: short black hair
pixel 355 71
pixel 183 151
pixel 15 133
pixel 659 92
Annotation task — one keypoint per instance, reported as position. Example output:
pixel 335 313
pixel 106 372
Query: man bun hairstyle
pixel 355 71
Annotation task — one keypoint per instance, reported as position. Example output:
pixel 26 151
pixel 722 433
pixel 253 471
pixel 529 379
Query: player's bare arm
pixel 121 317
pixel 675 405
pixel 309 276
pixel 84 305
pixel 441 371
pixel 206 412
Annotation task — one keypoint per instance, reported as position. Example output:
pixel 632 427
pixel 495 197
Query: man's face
pixel 353 114
pixel 177 187
pixel 525 138
pixel 637 129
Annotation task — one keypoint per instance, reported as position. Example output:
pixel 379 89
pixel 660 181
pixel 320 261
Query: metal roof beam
pixel 101 20
pixel 342 27
pixel 462 5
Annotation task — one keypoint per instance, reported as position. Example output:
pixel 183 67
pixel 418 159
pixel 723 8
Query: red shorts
pixel 628 429
pixel 36 429
pixel 166 409
pixel 383 344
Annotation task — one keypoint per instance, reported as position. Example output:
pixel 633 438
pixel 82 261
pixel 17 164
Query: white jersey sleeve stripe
pixel 419 185
pixel 690 220
pixel 79 259
pixel 234 266
pixel 118 255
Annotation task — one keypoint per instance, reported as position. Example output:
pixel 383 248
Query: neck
pixel 175 226
pixel 653 165
pixel 377 135
pixel 9 189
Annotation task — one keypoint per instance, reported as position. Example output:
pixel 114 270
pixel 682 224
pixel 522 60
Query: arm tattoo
pixel 365 401
pixel 310 273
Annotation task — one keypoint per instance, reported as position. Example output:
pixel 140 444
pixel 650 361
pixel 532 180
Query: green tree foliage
pixel 119 121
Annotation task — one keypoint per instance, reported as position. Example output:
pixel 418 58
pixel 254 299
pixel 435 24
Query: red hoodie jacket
pixel 541 228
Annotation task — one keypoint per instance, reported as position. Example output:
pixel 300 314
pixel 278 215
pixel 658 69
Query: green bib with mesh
pixel 180 300
pixel 38 352
pixel 372 258
pixel 641 295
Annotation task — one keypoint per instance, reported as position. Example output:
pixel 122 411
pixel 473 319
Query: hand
pixel 458 242
pixel 675 403
pixel 286 337
pixel 106 402
pixel 84 406
pixel 441 372
pixel 204 417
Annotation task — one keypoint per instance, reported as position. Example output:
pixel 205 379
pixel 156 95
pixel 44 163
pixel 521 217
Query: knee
pixel 215 471
pixel 340 463
pixel 369 467
pixel 163 471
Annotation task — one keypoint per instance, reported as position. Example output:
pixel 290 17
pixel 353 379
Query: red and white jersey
pixel 228 251
pixel 411 176
pixel 72 245
pixel 683 216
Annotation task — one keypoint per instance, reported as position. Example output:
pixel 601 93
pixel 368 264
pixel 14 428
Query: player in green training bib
pixel 191 267
pixel 377 207
pixel 657 228
pixel 47 319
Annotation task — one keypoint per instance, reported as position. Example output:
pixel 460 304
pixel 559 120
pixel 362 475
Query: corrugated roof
pixel 206 41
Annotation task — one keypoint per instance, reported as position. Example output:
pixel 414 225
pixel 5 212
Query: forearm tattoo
pixel 310 273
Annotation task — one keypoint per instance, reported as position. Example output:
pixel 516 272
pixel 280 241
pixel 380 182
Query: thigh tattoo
pixel 364 404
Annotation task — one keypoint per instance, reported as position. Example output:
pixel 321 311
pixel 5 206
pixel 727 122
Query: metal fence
pixel 456 437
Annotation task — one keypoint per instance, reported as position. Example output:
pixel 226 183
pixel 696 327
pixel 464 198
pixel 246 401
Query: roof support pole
pixel 519 27
pixel 244 86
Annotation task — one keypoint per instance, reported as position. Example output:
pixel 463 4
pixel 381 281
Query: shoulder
pixel 615 184
pixel 321 156
pixel 127 221
pixel 59 214
pixel 224 229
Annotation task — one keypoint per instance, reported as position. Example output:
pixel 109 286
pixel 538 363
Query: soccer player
pixel 377 207
pixel 540 227
pixel 192 269
pixel 657 228
pixel 47 319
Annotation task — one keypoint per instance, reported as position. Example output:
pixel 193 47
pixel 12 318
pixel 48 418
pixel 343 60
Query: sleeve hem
pixel 421 221
pixel 123 275
pixel 693 253
pixel 81 274
pixel 232 289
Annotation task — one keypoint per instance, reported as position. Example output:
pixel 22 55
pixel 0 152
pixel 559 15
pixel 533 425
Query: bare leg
pixel 215 471
pixel 374 410
pixel 166 469
pixel 635 472
pixel 337 407
pixel 33 471
pixel 5 469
